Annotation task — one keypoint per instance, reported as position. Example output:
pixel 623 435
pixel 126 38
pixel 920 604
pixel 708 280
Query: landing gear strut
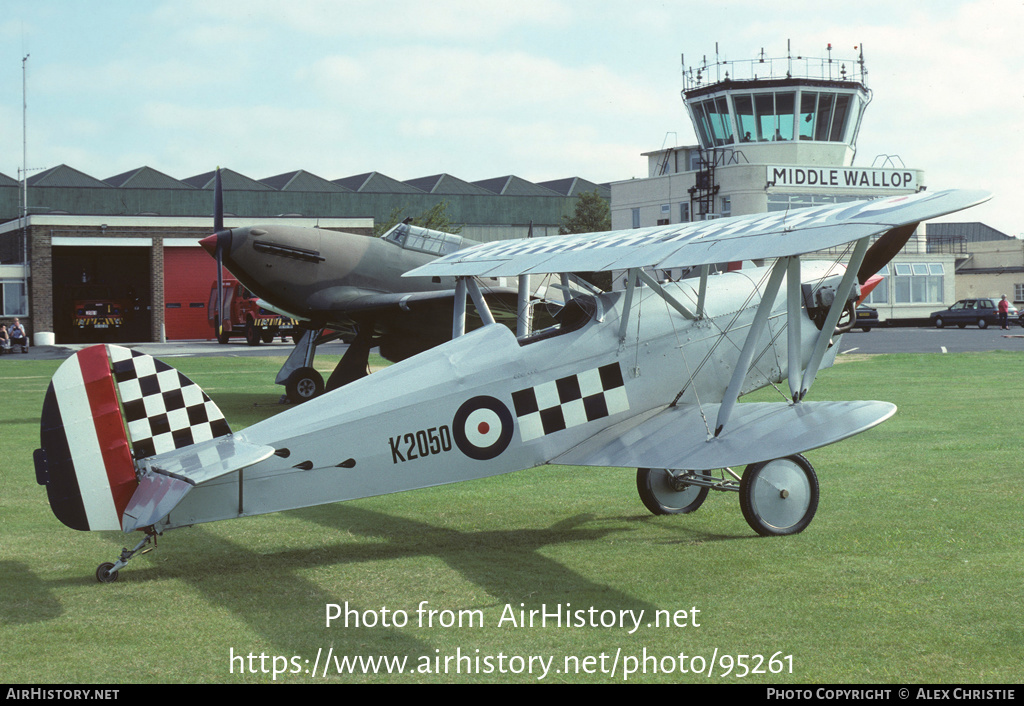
pixel 777 497
pixel 107 572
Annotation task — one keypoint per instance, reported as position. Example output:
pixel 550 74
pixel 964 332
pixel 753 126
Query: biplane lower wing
pixel 678 437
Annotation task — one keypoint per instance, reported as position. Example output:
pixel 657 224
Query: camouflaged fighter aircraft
pixel 335 280
pixel 649 377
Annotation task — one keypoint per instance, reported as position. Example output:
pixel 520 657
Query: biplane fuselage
pixel 401 427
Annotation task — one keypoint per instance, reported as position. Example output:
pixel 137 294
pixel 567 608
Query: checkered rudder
pixel 163 409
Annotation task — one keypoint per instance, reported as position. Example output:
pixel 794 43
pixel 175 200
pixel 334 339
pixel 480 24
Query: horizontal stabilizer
pixel 168 477
pixel 678 437
pixel 207 460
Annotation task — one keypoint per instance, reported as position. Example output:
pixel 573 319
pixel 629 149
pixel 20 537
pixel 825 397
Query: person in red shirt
pixel 1004 310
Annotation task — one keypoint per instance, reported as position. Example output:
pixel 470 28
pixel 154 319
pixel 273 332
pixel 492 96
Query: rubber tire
pixel 223 336
pixel 939 323
pixel 252 334
pixel 661 498
pixel 104 573
pixel 303 385
pixel 982 324
pixel 765 510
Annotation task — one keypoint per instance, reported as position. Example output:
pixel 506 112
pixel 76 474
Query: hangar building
pixel 135 236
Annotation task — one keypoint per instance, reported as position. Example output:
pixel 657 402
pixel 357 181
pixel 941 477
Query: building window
pixel 1018 292
pixel 880 294
pixel 12 299
pixel 684 213
pixel 919 283
pixel 636 217
pixel 726 209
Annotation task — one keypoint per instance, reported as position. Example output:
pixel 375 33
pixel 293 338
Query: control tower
pixel 778 134
pixel 790 110
pixel 773 134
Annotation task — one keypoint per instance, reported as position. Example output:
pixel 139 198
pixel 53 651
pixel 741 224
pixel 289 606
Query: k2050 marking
pixel 420 444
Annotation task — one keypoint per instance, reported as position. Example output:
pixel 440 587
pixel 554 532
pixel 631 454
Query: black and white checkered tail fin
pixel 107 409
pixel 163 409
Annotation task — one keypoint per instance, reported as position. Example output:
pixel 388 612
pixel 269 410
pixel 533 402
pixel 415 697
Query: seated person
pixel 17 334
pixel 5 340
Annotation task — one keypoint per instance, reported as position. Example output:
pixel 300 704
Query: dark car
pixel 980 312
pixel 867 318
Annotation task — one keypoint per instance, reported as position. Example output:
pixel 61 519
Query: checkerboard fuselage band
pixel 163 409
pixel 570 401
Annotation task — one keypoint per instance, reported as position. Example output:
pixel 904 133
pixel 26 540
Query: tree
pixel 436 218
pixel 592 215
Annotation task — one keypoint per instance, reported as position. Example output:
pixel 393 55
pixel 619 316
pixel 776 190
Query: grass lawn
pixel 912 570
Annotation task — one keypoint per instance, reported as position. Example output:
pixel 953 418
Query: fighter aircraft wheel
pixel 779 497
pixel 664 493
pixel 304 384
pixel 104 573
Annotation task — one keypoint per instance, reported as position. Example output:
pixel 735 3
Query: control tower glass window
pixel 823 116
pixel 713 122
pixel 776 116
pixel 746 125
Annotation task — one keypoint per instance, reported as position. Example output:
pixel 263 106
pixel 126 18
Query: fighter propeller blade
pixel 883 250
pixel 221 237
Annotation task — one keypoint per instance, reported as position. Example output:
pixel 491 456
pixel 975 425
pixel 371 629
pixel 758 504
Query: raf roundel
pixel 482 428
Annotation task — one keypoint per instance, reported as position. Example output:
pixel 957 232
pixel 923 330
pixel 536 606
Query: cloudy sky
pixel 540 89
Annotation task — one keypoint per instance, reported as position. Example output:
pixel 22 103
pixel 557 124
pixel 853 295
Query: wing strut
pixel 459 314
pixel 464 285
pixel 794 294
pixel 636 275
pixel 703 292
pixel 660 291
pixel 627 304
pixel 523 323
pixel 732 392
pixel 829 327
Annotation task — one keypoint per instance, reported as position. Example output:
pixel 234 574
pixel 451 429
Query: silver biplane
pixel 648 377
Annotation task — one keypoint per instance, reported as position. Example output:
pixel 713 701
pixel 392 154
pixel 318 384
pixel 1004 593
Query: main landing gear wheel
pixel 664 492
pixel 303 385
pixel 779 497
pixel 104 573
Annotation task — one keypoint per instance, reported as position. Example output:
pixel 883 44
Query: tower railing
pixel 763 68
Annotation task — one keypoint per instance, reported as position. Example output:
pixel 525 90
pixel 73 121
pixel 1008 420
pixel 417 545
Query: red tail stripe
pixel 110 431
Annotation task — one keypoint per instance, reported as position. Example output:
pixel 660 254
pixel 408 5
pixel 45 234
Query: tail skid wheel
pixel 663 492
pixel 779 497
pixel 104 573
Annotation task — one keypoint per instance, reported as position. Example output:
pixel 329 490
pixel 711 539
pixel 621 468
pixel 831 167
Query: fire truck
pixel 243 316
pixel 96 309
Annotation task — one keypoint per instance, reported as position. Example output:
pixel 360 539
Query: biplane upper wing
pixel 778 234
pixel 758 430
